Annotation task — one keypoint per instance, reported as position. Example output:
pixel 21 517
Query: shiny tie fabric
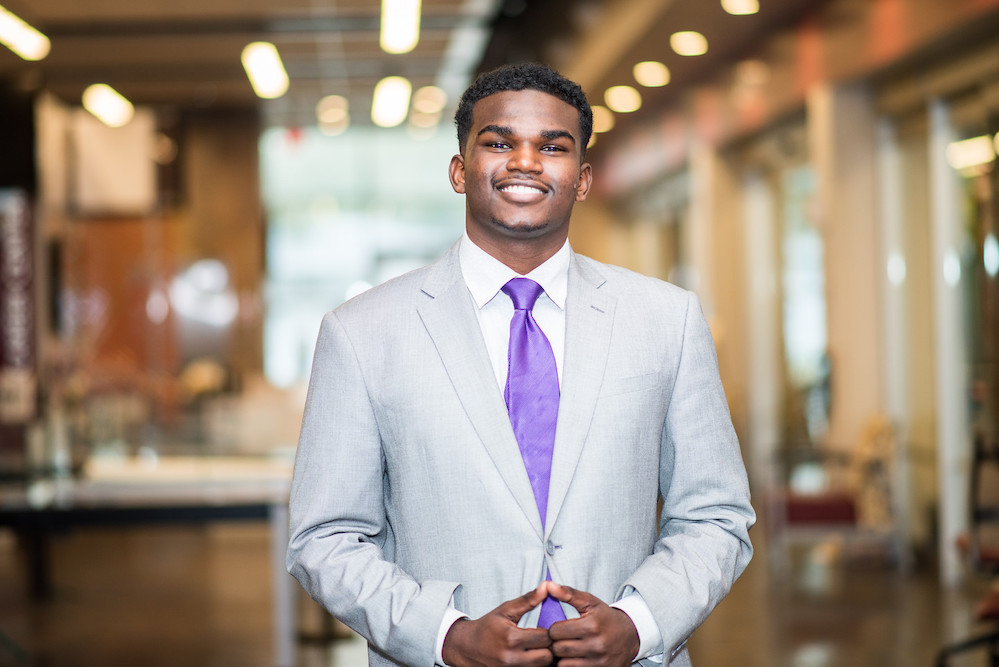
pixel 532 396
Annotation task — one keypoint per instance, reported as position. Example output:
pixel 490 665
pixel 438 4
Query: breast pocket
pixel 629 385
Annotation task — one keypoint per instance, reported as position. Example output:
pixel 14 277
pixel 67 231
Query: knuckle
pixel 508 658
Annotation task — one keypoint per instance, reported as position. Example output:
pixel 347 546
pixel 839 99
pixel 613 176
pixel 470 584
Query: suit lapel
pixel 450 319
pixel 589 317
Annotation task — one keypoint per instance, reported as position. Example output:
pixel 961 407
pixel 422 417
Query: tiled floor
pixel 200 596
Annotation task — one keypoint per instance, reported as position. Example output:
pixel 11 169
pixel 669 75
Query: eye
pixel 552 148
pixel 497 144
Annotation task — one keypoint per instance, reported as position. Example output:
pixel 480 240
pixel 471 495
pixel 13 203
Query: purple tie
pixel 532 400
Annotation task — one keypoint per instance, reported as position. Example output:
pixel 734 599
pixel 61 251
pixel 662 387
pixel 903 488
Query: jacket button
pixel 550 548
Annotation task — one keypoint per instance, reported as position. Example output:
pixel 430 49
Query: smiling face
pixel 521 171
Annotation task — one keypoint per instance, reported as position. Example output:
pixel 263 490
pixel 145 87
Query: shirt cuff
pixel 450 616
pixel 650 640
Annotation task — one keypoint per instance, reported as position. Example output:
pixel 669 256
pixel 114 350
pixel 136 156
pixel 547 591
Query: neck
pixel 523 256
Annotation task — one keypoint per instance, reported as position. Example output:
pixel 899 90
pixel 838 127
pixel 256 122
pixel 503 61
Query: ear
pixel 584 182
pixel 456 172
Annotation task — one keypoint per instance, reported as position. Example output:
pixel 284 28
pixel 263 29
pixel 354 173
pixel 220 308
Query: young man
pixel 506 419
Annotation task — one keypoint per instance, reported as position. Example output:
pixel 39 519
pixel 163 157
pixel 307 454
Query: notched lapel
pixel 589 319
pixel 449 316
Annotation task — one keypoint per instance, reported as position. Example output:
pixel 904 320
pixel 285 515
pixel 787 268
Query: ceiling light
pixel 391 101
pixel 896 268
pixel 651 74
pixel 688 43
pixel 990 255
pixel 400 25
pixel 21 38
pixel 265 70
pixel 741 7
pixel 603 119
pixel 623 99
pixel 336 127
pixel 108 105
pixel 332 109
pixel 951 268
pixel 423 119
pixel 970 152
pixel 752 73
pixel 429 100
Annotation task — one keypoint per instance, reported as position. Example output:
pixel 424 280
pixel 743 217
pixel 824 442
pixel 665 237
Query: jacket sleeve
pixel 703 543
pixel 340 544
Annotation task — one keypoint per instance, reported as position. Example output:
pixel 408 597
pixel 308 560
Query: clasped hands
pixel 602 636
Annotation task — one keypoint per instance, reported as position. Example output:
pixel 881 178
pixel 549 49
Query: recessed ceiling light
pixel 603 119
pixel 623 99
pixel 689 43
pixel 741 7
pixel 651 74
pixel 332 109
pixel 429 100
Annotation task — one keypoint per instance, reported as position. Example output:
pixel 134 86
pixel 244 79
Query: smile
pixel 521 189
pixel 521 193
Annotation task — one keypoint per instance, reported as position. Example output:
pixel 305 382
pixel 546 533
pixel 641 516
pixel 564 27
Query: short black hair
pixel 525 76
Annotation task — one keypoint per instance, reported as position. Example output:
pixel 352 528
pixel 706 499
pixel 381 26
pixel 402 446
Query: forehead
pixel 525 111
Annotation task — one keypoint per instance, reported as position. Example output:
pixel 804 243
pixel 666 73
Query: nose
pixel 524 159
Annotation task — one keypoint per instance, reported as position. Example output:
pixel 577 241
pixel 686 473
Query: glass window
pixel 345 213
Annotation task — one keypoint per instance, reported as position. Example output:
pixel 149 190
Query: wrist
pixel 451 651
pixel 633 641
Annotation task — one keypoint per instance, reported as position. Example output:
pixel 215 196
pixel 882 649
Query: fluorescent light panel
pixel 391 101
pixel 21 38
pixel 400 25
pixel 108 105
pixel 265 70
pixel 970 152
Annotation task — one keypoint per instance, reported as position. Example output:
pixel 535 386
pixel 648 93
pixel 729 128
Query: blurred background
pixel 186 186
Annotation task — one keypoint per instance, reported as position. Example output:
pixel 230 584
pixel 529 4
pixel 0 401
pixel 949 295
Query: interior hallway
pixel 198 596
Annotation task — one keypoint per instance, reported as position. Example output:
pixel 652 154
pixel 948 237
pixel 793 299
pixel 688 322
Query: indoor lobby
pixel 175 221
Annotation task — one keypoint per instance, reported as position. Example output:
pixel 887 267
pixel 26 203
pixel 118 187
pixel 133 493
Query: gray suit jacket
pixel 409 486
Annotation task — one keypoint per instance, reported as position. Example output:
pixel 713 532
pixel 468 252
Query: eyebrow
pixel 547 135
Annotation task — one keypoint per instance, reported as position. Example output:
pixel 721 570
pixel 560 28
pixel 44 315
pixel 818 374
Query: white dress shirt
pixel 485 276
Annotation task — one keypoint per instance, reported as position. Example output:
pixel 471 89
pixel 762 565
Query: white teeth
pixel 520 189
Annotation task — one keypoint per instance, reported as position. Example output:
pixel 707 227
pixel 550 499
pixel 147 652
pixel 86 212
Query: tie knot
pixel 523 291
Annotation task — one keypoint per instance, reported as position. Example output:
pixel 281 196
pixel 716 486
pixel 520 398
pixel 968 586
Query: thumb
pixel 517 607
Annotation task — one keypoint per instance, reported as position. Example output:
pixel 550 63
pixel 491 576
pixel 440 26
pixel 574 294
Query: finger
pixel 569 649
pixel 581 600
pixel 531 638
pixel 517 607
pixel 574 628
pixel 537 658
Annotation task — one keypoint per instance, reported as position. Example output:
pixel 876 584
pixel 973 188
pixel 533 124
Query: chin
pixel 522 228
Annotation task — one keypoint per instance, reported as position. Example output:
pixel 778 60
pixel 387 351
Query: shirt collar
pixel 485 275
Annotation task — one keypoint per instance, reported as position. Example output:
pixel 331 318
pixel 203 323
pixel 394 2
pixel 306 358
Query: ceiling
pixel 186 53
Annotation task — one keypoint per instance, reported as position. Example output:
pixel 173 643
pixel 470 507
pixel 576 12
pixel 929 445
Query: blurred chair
pixel 847 494
pixel 980 547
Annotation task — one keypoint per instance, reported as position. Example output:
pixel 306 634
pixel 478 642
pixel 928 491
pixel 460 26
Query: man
pixel 464 443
